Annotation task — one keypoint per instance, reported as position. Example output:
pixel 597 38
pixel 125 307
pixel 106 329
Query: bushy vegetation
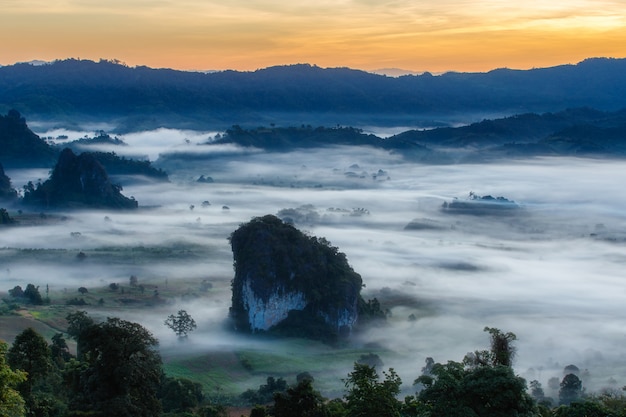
pixel 117 371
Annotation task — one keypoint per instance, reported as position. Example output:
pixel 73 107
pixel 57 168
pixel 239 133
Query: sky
pixel 425 35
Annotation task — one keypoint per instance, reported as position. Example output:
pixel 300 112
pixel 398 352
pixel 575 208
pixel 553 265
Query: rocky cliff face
pixel 289 281
pixel 78 181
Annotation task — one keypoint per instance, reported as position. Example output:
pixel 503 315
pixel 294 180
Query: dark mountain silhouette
pixel 143 97
pixel 292 283
pixel 581 131
pixel 78 182
pixel 19 146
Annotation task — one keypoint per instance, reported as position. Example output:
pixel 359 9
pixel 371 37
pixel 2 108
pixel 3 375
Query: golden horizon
pixel 435 36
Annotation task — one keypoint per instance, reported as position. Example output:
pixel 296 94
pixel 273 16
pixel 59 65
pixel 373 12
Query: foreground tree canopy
pixel 121 370
pixel 11 402
pixel 118 372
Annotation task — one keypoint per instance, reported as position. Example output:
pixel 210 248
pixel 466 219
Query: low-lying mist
pixel 551 271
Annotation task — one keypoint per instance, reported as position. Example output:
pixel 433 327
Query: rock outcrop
pixel 289 282
pixel 78 181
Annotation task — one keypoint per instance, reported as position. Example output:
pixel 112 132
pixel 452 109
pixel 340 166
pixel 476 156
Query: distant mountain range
pixel 75 91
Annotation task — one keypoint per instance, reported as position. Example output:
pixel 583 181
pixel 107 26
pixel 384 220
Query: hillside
pixel 141 97
pixel 78 181
pixel 579 132
pixel 19 146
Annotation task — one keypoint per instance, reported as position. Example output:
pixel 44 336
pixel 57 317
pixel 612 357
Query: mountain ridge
pixel 141 97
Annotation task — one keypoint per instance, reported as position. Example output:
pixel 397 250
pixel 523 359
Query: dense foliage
pixel 11 402
pixel 117 372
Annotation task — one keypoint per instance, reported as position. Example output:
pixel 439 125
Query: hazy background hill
pixel 141 97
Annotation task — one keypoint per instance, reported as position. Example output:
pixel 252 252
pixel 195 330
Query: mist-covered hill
pixel 141 97
pixel 572 132
pixel 21 146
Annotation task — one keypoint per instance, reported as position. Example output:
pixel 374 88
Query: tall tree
pixel 300 401
pixel 367 396
pixel 11 402
pixel 181 323
pixel 501 350
pixel 77 323
pixel 571 389
pixel 121 373
pixel 30 353
pixel 453 390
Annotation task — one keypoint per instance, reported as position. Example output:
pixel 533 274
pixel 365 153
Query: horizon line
pixel 388 72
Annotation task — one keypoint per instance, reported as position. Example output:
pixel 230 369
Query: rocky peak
pixel 79 181
pixel 288 281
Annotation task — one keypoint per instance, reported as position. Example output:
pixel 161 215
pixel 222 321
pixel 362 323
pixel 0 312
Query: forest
pixel 116 371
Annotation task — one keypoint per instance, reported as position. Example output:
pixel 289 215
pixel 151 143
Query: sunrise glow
pixel 246 35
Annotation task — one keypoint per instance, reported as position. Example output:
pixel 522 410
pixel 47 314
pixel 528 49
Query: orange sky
pixel 425 35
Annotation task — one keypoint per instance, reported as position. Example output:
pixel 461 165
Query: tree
pixel 367 396
pixel 32 293
pixel 582 409
pixel 443 390
pixel 78 322
pixel 300 401
pixel 571 388
pixel 11 402
pixel 180 394
pixel 483 391
pixel 501 350
pixel 181 323
pixel 266 392
pixel 16 292
pixel 496 392
pixel 30 353
pixel 121 370
pixel 59 351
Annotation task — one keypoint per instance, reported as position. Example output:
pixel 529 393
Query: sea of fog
pixel 552 272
